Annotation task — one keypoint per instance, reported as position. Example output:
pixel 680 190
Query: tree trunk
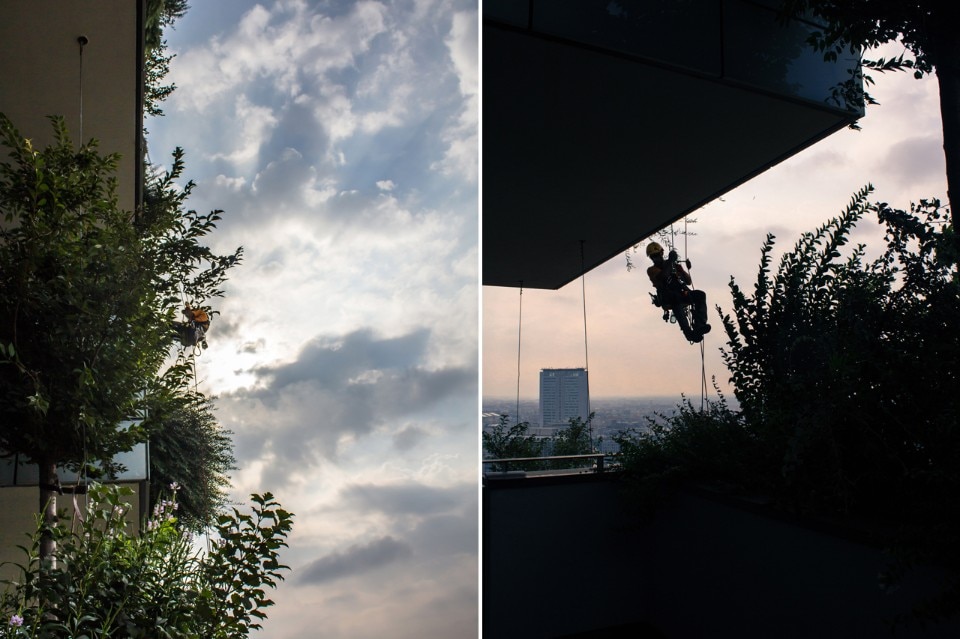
pixel 48 511
pixel 948 78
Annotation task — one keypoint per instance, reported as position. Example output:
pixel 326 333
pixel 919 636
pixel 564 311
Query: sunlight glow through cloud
pixel 341 141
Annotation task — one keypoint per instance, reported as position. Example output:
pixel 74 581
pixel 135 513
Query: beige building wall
pixel 19 506
pixel 99 93
pixel 40 75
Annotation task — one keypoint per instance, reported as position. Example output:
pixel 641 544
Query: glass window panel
pixel 761 51
pixel 678 32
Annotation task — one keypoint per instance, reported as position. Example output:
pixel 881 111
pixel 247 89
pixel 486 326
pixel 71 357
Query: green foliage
pixel 575 439
pixel 241 564
pixel 156 67
pixel 846 371
pixel 160 14
pixel 510 442
pixel 712 445
pixel 88 292
pixel 189 448
pixel 110 582
pixel 850 26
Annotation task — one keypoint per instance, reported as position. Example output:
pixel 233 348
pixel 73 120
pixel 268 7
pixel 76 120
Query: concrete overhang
pixel 588 150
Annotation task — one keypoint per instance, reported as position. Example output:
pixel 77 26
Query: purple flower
pixel 16 621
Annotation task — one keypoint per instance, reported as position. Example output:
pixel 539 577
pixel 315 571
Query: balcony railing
pixel 600 463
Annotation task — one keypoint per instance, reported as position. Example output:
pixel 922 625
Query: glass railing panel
pixel 762 51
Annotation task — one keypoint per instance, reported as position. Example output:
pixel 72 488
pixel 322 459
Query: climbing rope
pixel 703 366
pixel 519 329
pixel 586 352
pixel 82 41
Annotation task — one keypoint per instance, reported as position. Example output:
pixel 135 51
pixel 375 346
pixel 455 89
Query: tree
pixel 927 28
pixel 189 449
pixel 505 442
pixel 112 583
pixel 88 293
pixel 710 445
pixel 845 367
pixel 575 439
pixel 846 371
pixel 160 14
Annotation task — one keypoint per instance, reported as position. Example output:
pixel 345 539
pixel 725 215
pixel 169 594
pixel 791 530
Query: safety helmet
pixel 653 248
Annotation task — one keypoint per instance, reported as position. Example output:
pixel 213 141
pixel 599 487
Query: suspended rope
pixel 703 378
pixel 703 365
pixel 82 41
pixel 583 287
pixel 519 329
pixel 586 352
pixel 82 477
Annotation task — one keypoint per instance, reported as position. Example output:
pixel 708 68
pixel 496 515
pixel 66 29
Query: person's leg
pixel 699 301
pixel 680 312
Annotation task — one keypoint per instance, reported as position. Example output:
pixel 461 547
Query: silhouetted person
pixel 674 293
pixel 193 331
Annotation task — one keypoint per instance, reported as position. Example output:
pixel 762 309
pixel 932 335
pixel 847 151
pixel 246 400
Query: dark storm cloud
pixel 333 361
pixel 297 128
pixel 408 438
pixel 282 181
pixel 337 387
pixel 402 499
pixel 449 534
pixel 356 559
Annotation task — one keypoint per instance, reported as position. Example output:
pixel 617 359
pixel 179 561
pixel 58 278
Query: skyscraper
pixel 564 395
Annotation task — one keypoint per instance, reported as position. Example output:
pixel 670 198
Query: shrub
pixel 110 582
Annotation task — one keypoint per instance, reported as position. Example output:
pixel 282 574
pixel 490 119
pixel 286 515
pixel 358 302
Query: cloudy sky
pixel 632 352
pixel 341 140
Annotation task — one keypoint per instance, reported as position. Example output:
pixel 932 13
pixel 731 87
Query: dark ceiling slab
pixel 587 153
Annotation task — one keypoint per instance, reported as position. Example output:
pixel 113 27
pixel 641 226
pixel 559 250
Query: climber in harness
pixel 193 330
pixel 674 293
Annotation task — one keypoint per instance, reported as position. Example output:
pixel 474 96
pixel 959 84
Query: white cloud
pixel 340 138
pixel 462 157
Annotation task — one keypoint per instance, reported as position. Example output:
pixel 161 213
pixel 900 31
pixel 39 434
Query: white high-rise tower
pixel 564 395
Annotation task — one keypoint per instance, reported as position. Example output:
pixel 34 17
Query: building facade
pixel 82 61
pixel 564 395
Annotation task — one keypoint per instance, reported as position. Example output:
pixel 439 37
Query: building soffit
pixel 586 153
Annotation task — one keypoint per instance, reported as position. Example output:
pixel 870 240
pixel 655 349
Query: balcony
pixel 564 556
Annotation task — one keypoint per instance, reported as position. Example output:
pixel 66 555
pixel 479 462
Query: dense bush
pixel 511 442
pixel 111 582
pixel 846 373
pixel 711 445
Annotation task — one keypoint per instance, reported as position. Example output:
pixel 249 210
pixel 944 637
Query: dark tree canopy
pixel 846 371
pixel 88 294
pixel 190 449
pixel 926 28
pixel 510 442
